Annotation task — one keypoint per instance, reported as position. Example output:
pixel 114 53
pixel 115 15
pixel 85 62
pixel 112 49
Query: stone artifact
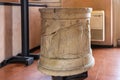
pixel 65 41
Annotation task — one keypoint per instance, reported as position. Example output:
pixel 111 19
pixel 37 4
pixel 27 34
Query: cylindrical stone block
pixel 65 41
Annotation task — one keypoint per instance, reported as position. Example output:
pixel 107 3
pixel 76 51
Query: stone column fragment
pixel 65 41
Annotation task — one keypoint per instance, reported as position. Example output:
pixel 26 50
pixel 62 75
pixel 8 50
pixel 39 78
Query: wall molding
pixel 18 4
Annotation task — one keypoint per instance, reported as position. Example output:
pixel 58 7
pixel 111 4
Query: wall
pixel 49 3
pixel 34 28
pixel 2 33
pixel 8 0
pixel 10 30
pixel 116 21
pixel 16 30
pixel 5 32
pixel 96 5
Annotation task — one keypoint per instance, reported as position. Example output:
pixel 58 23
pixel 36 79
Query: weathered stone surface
pixel 65 42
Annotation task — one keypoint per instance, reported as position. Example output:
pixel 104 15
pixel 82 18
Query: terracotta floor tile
pixel 107 67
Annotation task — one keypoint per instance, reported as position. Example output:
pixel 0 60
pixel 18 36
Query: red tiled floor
pixel 107 67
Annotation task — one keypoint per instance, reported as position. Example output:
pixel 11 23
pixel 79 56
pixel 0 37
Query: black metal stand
pixel 25 57
pixel 74 77
pixel 34 56
pixel 15 59
pixel 25 30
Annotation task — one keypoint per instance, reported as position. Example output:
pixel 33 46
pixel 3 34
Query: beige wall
pixel 96 5
pixel 10 30
pixel 8 0
pixel 116 20
pixel 34 28
pixel 16 30
pixel 5 32
pixel 2 34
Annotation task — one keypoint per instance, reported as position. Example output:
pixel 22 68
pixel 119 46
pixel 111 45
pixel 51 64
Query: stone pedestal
pixel 65 41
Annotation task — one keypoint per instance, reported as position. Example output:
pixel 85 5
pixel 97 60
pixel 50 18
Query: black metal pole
pixel 25 27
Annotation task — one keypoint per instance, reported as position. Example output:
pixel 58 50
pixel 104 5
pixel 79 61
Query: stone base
pixel 73 77
pixel 68 72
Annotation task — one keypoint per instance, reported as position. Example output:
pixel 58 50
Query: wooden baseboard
pixel 102 46
pixel 34 49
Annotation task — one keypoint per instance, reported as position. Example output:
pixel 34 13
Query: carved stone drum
pixel 65 41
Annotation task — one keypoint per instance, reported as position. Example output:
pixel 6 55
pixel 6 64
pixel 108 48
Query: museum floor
pixel 107 67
